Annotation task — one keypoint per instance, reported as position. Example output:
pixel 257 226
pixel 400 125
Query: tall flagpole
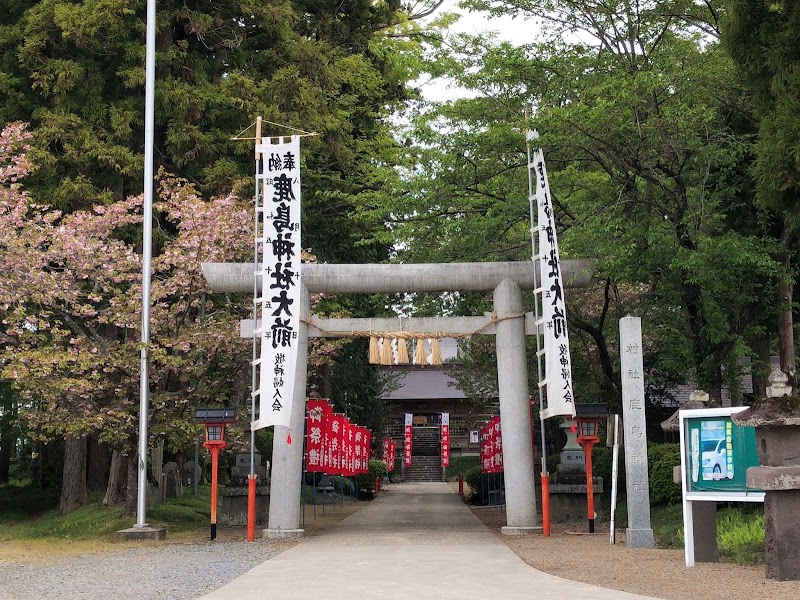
pixel 147 252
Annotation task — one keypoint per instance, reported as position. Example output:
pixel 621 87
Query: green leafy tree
pixel 647 135
pixel 761 37
pixel 75 71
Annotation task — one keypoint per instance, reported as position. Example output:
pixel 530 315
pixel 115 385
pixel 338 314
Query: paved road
pixel 416 541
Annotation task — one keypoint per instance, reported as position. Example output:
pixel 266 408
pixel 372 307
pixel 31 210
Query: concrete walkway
pixel 416 541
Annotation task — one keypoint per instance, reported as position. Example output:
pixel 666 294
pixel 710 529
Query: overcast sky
pixel 513 30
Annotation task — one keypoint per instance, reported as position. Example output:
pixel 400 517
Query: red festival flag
pixel 497 450
pixel 337 444
pixel 317 413
pixel 358 447
pixel 484 437
pixel 350 445
pixel 344 466
pixel 445 450
pixel 490 434
pixel 367 449
pixel 408 436
pixel 392 455
pixel 387 445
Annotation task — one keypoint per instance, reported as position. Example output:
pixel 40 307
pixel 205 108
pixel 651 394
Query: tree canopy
pixel 648 133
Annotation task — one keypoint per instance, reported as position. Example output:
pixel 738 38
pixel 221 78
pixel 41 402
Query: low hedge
pixel 482 483
pixel 366 481
pixel 662 459
pixel 459 465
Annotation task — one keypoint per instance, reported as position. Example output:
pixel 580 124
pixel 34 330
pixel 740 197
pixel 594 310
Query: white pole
pixel 614 478
pixel 147 251
pixel 259 218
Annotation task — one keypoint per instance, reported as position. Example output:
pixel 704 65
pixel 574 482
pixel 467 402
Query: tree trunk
pixel 715 387
pixel 99 465
pixel 73 485
pixel 761 368
pixel 786 329
pixel 735 391
pixel 8 437
pixel 5 460
pixel 131 493
pixel 115 491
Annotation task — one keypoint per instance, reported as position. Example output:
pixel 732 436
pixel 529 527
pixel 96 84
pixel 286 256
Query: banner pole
pixel 251 482
pixel 544 475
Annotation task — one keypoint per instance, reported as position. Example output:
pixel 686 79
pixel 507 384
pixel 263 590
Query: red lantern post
pixel 214 420
pixel 587 417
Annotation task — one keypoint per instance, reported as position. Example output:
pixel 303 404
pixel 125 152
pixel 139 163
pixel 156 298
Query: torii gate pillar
pixel 287 459
pixel 512 386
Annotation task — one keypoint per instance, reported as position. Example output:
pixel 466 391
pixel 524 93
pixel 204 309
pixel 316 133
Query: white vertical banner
pixel 280 279
pixel 557 361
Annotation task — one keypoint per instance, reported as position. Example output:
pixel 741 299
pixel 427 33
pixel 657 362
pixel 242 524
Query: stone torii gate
pixel 508 323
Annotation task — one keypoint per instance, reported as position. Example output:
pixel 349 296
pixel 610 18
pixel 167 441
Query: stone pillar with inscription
pixel 639 532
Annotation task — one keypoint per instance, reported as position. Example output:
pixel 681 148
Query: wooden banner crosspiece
pixel 259 137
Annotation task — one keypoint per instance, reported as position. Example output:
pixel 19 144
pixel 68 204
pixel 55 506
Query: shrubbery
pixel 602 463
pixel 459 465
pixel 662 458
pixel 481 484
pixel 366 481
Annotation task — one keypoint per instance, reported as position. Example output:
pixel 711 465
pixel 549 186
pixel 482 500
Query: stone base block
pixel 233 510
pixel 568 502
pixel 507 530
pixel 774 478
pixel 284 534
pixel 640 538
pixel 142 533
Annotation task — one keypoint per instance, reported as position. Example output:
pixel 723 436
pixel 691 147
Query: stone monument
pixel 777 422
pixel 568 490
pixel 639 532
pixel 233 510
pixel 573 461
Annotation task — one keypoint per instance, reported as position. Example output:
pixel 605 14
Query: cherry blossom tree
pixel 70 295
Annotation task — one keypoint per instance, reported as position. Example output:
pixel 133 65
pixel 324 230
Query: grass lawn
pixel 25 515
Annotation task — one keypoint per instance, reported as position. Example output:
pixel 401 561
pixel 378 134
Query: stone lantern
pixel 776 419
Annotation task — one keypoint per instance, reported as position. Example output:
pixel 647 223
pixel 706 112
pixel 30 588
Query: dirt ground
pixel 568 553
pixel 660 573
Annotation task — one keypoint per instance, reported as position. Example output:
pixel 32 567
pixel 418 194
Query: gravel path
pixel 169 572
pixel 658 573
